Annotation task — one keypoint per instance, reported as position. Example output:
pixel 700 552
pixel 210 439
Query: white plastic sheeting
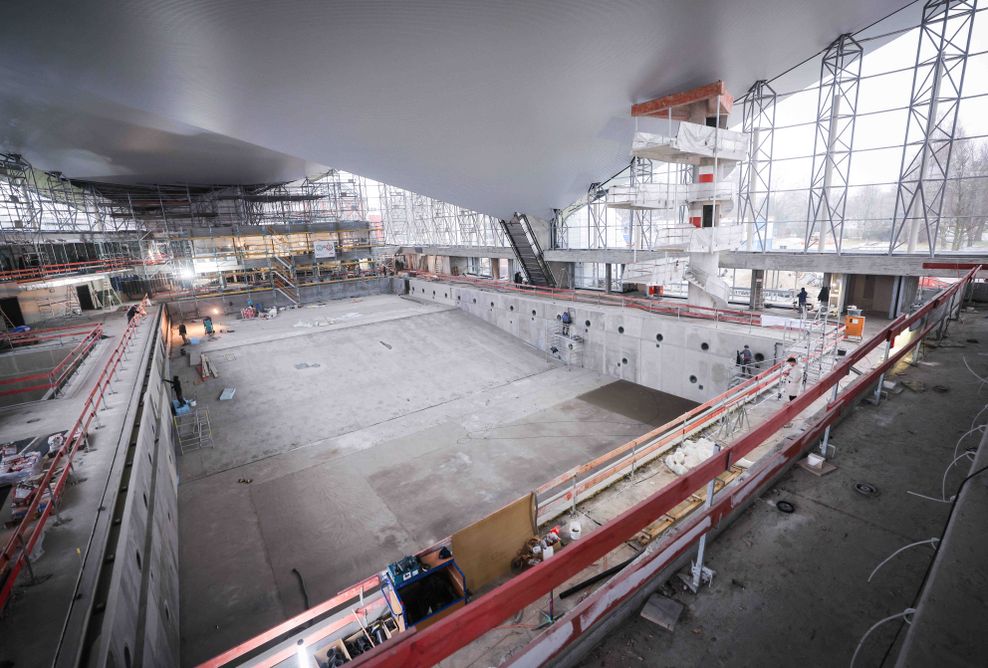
pixel 656 272
pixel 689 455
pixel 716 239
pixel 722 191
pixel 648 196
pixel 691 143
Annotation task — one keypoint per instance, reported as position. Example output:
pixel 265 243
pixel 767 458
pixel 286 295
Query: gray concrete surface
pixel 792 589
pixel 33 622
pixel 951 609
pixel 376 453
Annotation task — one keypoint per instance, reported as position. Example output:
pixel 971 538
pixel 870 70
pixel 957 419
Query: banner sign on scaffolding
pixel 324 249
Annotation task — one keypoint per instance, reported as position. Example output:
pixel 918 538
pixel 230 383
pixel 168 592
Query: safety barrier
pixel 677 309
pixel 429 646
pixel 50 270
pixel 57 376
pixel 17 552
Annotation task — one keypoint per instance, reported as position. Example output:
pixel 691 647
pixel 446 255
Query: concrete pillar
pixel 757 300
pixel 607 277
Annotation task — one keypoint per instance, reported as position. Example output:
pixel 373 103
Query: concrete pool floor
pixel 417 420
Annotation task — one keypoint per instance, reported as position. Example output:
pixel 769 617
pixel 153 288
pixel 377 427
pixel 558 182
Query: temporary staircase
pixel 528 250
pixel 284 280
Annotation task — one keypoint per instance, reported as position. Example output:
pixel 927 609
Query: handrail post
pixel 573 509
pixel 698 571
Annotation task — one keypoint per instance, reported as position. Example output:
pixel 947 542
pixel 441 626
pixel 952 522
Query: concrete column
pixel 757 301
pixel 607 277
pixel 841 286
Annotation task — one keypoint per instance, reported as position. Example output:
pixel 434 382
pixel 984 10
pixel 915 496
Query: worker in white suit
pixel 792 378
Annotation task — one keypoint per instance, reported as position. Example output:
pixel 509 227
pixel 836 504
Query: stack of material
pixel 14 468
pixel 24 495
pixel 689 455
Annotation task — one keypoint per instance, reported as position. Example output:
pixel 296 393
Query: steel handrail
pixel 678 309
pixel 74 356
pixel 25 537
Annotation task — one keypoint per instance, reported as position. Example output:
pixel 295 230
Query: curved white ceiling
pixel 497 105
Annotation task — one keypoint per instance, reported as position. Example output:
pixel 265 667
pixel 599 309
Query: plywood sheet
pixel 484 549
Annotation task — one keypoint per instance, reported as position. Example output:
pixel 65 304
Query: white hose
pixel 904 614
pixel 931 541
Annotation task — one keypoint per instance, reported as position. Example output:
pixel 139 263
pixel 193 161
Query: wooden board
pixel 484 549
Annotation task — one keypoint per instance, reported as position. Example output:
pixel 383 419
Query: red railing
pixel 49 270
pixel 29 531
pixel 33 336
pixel 440 640
pixel 61 371
pixel 663 307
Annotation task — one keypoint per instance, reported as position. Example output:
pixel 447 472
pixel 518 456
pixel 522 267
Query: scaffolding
pixel 192 429
pixel 756 172
pixel 837 102
pixel 938 79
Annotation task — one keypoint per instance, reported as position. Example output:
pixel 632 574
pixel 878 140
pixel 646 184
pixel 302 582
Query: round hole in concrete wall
pixel 624 360
pixel 446 295
pixel 457 297
pixel 658 337
pixel 492 304
pixel 571 346
pixel 474 300
pixel 701 387
pixel 620 330
pixel 692 379
pixel 704 346
pixel 511 308
pixel 587 323
pixel 759 357
pixel 433 293
pixel 533 312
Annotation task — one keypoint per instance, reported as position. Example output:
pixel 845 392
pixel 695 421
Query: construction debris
pixel 689 455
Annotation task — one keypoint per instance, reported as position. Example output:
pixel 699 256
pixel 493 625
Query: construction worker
pixel 801 300
pixel 746 359
pixel 184 333
pixel 177 386
pixel 792 378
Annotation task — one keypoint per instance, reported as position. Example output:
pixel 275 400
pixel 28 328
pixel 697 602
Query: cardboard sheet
pixel 484 549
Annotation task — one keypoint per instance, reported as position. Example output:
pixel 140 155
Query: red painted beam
pixel 962 266
pixel 661 106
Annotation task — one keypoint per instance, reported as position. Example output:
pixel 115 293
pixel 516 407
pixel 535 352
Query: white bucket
pixel 815 461
pixel 575 531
